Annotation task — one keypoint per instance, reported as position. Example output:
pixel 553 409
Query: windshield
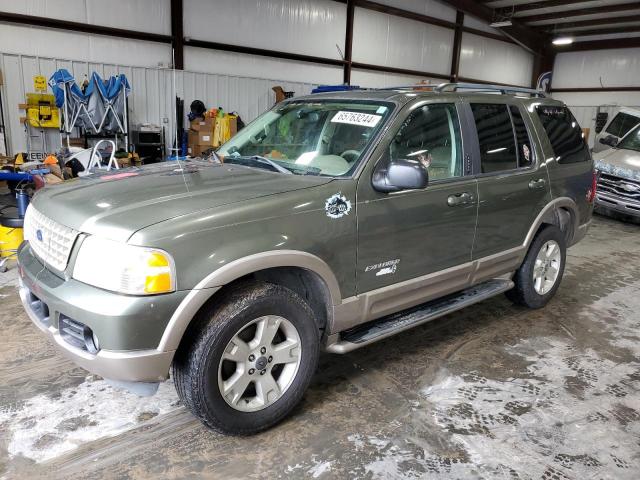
pixel 631 141
pixel 308 138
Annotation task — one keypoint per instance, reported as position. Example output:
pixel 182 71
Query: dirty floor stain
pixel 493 391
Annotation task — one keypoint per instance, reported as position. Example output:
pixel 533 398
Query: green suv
pixel 333 221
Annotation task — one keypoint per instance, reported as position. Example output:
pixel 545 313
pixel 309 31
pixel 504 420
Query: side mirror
pixel 400 174
pixel 609 140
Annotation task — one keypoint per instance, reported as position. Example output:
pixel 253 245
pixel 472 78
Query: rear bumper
pixel 606 202
pixel 125 326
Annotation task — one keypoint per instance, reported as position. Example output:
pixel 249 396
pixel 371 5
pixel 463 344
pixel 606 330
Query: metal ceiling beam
pixel 263 52
pixel 399 71
pixel 46 22
pixel 538 5
pixel 596 22
pixel 606 44
pixel 600 31
pixel 523 35
pixel 398 12
pixel 418 17
pixel 596 89
pixel 560 16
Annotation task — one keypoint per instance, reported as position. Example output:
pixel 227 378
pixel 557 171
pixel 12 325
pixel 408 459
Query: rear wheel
pixel 539 276
pixel 251 361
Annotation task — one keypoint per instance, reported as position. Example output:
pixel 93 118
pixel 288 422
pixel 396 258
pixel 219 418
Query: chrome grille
pixel 622 188
pixel 50 241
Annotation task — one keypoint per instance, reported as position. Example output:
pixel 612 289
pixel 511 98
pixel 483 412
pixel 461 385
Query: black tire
pixel 524 292
pixel 195 366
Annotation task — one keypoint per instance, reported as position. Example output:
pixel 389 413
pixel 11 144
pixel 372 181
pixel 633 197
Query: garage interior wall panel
pixel 432 8
pixel 382 39
pixel 53 43
pixel 384 80
pixel 593 69
pixel 305 27
pixel 152 16
pixel 215 61
pixel 152 96
pixel 495 61
pixel 597 68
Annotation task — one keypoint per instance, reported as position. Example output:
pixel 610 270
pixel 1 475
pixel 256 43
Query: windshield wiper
pixel 267 161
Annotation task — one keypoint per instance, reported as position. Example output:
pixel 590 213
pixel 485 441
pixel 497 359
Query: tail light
pixel 591 193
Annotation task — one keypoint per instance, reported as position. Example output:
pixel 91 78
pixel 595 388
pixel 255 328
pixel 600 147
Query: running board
pixel 384 327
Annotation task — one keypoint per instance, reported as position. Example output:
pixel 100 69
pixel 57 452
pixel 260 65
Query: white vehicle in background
pixel 619 180
pixel 616 127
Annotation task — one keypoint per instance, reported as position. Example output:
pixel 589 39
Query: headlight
pixel 124 268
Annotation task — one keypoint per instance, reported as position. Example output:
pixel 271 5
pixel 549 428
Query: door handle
pixel 464 198
pixel 535 184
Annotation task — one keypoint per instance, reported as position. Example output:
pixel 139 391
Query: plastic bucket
pixel 10 240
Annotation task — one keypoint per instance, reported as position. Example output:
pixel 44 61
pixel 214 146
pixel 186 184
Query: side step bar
pixel 384 327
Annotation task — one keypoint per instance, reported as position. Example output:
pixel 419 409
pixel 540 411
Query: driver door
pixel 408 234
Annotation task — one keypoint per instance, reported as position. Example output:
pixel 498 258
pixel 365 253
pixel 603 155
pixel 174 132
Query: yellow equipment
pixel 42 111
pixel 10 240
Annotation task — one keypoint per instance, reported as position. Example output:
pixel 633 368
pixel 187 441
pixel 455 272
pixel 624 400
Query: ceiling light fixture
pixel 562 41
pixel 505 23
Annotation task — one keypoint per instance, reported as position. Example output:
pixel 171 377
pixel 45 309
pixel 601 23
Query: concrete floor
pixel 493 391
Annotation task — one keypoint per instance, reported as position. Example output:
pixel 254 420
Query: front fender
pixel 238 268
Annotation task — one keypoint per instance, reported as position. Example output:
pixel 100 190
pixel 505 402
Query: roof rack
pixel 504 89
pixel 453 87
pixel 415 87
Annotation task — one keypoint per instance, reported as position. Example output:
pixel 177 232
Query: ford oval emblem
pixel 39 234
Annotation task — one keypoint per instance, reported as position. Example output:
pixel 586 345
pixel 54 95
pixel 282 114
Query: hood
pixel 619 162
pixel 116 204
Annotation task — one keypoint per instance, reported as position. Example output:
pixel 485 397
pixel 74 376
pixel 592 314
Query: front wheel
pixel 251 361
pixel 539 276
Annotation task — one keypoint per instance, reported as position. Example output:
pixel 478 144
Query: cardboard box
pixel 197 150
pixel 200 125
pixel 585 132
pixel 205 139
pixel 192 138
pixel 233 124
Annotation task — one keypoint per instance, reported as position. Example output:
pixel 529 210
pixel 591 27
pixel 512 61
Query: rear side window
pixel 525 152
pixel 495 135
pixel 621 124
pixel 564 134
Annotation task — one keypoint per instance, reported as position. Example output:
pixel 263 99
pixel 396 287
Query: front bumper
pixel 128 328
pixel 606 202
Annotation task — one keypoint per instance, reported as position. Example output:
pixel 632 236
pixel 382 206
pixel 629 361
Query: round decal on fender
pixel 337 206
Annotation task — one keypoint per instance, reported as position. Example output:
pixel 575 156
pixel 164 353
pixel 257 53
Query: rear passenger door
pixel 513 185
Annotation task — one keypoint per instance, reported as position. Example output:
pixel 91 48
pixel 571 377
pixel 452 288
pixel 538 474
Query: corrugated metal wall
pixel 593 69
pixel 152 91
pixel 236 81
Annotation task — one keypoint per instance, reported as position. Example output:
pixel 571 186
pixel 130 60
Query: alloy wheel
pixel 259 363
pixel 547 267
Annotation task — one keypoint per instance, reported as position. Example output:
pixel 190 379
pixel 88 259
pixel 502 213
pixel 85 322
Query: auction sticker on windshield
pixel 356 118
